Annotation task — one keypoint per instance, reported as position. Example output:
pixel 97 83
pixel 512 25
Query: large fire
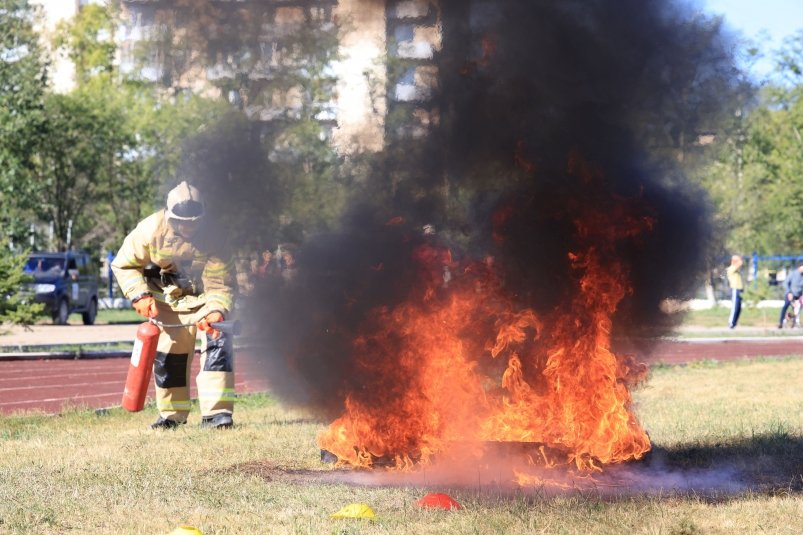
pixel 460 365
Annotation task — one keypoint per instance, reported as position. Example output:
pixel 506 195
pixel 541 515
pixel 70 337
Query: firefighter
pixel 172 269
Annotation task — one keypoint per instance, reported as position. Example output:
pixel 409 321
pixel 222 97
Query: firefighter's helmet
pixel 185 203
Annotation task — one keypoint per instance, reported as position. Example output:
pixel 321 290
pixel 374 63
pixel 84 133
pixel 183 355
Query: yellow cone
pixel 355 510
pixel 186 530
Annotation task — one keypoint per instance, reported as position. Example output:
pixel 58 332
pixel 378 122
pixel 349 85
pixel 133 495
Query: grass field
pixel 105 317
pixel 88 472
pixel 718 317
pixel 110 316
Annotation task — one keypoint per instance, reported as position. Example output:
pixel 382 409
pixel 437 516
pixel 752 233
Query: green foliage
pixel 789 59
pixel 774 164
pixel 154 127
pixel 95 157
pixel 758 290
pixel 111 147
pixel 755 180
pixel 86 136
pixel 87 41
pixel 307 169
pixel 23 82
pixel 161 125
pixel 15 304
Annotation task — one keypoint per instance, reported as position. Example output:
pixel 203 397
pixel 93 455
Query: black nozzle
pixel 152 271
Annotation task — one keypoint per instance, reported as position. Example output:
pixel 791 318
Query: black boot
pixel 217 421
pixel 164 423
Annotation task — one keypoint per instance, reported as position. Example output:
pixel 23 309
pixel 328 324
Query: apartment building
pixel 386 61
pixel 387 51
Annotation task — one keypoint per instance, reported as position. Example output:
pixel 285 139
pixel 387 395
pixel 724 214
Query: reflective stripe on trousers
pixel 175 350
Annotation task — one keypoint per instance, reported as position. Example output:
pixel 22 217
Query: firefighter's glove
pixel 172 291
pixel 206 324
pixel 145 306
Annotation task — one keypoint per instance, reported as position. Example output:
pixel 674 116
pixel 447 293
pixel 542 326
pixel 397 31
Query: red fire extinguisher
pixel 141 368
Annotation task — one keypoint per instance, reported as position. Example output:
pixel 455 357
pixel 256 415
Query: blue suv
pixel 65 282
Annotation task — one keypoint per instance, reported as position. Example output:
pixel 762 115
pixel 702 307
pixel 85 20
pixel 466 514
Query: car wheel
pixel 62 313
pixel 91 312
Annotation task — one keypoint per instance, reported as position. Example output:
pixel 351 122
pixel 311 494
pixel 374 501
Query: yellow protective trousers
pixel 171 369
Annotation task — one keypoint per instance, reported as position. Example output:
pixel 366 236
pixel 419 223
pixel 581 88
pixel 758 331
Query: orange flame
pixel 464 364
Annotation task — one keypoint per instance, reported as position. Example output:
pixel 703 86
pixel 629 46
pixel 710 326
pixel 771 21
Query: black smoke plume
pixel 549 111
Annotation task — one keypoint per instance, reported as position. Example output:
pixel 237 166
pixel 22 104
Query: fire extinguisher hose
pixel 229 327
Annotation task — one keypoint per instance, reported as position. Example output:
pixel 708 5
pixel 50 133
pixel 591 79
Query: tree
pixel 772 189
pixel 23 84
pixel 756 178
pixel 157 126
pixel 114 141
pixel 86 136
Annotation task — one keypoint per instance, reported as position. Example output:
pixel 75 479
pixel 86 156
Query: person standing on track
pixel 737 285
pixel 172 268
pixel 794 289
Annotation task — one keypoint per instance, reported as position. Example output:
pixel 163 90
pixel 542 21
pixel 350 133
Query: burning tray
pixel 535 452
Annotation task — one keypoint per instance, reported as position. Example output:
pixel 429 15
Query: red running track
pixel 51 385
pixel 693 350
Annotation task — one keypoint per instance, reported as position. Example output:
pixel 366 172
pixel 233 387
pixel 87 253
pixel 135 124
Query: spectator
pixel 245 266
pixel 287 258
pixel 737 285
pixel 794 289
pixel 266 265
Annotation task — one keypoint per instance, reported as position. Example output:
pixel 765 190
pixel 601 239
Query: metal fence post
pixel 110 258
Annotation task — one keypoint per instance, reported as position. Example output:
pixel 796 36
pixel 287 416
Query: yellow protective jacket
pixel 195 275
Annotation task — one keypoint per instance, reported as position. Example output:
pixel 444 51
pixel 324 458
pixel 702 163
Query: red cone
pixel 439 500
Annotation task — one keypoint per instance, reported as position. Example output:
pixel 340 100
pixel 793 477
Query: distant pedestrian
pixel 737 286
pixel 793 284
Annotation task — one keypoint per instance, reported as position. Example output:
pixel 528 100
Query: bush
pixel 759 290
pixel 15 303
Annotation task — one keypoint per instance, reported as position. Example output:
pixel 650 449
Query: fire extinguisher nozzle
pixel 229 327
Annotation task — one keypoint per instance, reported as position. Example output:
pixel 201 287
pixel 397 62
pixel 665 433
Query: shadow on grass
pixel 765 462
